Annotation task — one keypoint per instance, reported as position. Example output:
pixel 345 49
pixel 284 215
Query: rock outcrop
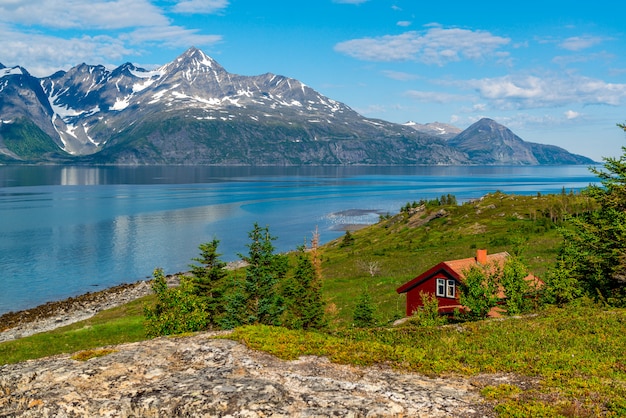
pixel 200 376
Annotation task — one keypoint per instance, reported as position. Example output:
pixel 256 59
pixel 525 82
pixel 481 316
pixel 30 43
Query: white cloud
pixel 95 14
pixel 200 6
pixel 435 97
pixel 399 75
pixel 434 46
pixel 404 23
pixel 42 55
pixel 577 43
pixel 45 36
pixel 570 114
pixel 529 91
pixel 171 36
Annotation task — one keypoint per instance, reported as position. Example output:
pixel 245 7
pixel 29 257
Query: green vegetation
pixel 568 361
pixel 177 309
pixel 114 326
pixel 37 145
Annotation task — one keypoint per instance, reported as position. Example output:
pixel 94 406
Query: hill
pixel 193 111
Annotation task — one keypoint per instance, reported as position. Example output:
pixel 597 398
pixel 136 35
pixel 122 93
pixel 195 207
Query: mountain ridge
pixel 193 111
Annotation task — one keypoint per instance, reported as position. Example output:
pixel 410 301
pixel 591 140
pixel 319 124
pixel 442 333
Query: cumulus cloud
pixel 436 46
pixel 76 14
pixel 43 55
pixel 45 36
pixel 200 6
pixel 404 23
pixel 529 91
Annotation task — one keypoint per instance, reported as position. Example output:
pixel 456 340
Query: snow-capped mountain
pixel 441 130
pixel 193 111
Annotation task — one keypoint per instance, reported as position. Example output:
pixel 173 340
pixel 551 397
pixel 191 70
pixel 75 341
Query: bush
pixel 428 314
pixel 177 309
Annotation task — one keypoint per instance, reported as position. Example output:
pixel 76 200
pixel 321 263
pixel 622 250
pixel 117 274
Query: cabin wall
pixel 414 301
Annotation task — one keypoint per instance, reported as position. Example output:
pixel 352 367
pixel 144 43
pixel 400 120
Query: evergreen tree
pixel 264 271
pixel 304 307
pixel 208 277
pixel 595 248
pixel 364 311
pixel 235 306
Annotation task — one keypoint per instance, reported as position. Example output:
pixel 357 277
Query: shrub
pixel 176 310
pixel 428 314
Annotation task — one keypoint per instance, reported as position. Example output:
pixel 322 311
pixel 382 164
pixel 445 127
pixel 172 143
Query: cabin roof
pixel 456 268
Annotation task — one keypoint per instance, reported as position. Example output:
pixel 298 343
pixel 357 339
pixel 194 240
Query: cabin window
pixel 450 289
pixel 441 287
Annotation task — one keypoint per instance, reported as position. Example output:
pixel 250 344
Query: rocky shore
pixel 203 376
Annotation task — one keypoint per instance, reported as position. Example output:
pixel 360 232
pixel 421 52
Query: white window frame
pixel 440 290
pixel 451 288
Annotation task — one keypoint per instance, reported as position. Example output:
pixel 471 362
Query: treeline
pixel 271 291
pixel 444 200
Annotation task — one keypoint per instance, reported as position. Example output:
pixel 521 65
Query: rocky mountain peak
pixel 192 62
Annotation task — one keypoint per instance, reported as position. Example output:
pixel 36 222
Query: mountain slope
pixel 193 111
pixel 491 143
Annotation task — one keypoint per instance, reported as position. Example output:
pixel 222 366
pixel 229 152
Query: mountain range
pixel 193 111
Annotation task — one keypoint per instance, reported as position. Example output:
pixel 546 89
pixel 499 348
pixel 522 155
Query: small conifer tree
pixel 208 277
pixel 364 311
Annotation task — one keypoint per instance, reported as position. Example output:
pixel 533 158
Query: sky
pixel 554 72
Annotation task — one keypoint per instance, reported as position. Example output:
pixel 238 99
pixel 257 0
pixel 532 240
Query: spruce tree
pixel 364 311
pixel 304 307
pixel 208 277
pixel 263 273
pixel 595 247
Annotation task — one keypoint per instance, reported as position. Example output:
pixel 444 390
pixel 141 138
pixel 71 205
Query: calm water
pixel 70 230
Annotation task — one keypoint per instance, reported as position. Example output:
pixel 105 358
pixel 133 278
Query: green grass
pixel 577 355
pixel 114 326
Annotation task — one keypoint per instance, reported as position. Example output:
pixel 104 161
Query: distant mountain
pixel 438 129
pixel 494 144
pixel 193 111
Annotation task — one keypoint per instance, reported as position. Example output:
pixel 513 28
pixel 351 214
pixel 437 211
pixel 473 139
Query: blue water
pixel 65 231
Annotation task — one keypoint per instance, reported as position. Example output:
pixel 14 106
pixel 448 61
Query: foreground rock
pixel 201 376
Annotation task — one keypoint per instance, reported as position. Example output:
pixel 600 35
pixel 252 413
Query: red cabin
pixel 443 281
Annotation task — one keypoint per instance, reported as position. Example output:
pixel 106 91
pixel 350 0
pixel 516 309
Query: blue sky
pixel 552 71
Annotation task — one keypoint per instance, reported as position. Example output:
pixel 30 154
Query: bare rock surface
pixel 199 376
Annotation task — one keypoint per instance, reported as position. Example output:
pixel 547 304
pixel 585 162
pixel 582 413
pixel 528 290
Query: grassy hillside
pixel 381 257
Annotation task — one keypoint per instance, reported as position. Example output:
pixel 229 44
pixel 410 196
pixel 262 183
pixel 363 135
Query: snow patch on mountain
pixel 5 72
pixel 121 103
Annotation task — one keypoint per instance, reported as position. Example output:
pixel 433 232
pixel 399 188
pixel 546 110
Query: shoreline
pixel 56 314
